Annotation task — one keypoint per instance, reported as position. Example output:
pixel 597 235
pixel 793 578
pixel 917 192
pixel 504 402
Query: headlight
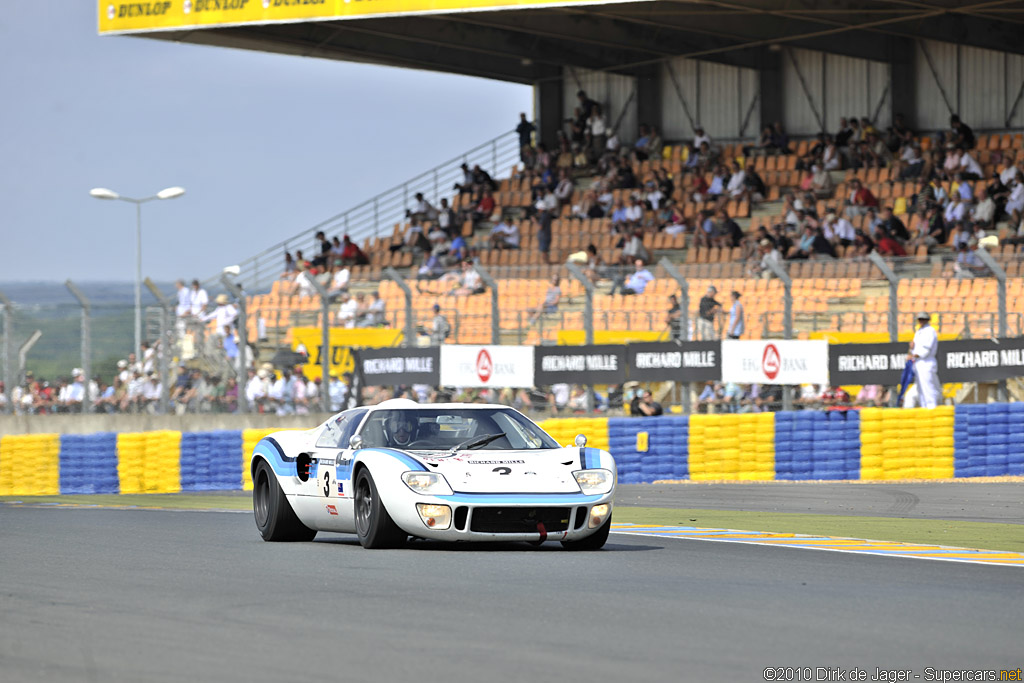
pixel 435 516
pixel 598 514
pixel 594 481
pixel 427 483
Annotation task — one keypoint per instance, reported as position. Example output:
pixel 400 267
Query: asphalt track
pixel 140 595
pixel 962 500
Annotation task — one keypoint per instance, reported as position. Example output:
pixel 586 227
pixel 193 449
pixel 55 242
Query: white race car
pixel 451 472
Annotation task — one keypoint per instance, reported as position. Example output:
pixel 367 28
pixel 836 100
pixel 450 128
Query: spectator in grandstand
pixel 597 126
pixel 648 145
pixel 505 235
pixel 198 299
pixel 348 310
pixel 709 397
pixel 304 281
pixel 955 211
pixel 767 252
pixel 1015 200
pixel 634 213
pixel 707 313
pixel 735 188
pixel 838 230
pixel 671 220
pixel 184 307
pixel 525 131
pixel 595 268
pixel 960 134
pixel 457 252
pixel 894 225
pixel 376 313
pixel 469 281
pixel 836 398
pixel 810 395
pixel 870 396
pixel 430 269
pixel 323 256
pixel 737 323
pixel 225 314
pixel 652 197
pixel 674 319
pixel 984 212
pixel 544 234
pixel 727 233
pixel 351 254
pixel 644 405
pixel 440 329
pixel 860 199
pixel 415 239
pixel 818 181
pixel 633 249
pixel 340 277
pixel 887 245
pixel 588 207
pixel 447 220
pixel 564 189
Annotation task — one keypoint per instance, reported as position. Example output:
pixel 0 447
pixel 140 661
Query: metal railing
pixel 376 216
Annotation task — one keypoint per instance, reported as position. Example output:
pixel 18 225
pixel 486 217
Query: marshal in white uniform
pixel 926 367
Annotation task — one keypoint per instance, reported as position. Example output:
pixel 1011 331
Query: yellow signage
pixel 126 16
pixel 579 337
pixel 342 341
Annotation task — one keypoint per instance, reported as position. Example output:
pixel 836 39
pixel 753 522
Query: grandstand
pixel 727 70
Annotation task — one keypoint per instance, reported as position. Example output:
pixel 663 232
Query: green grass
pixel 983 535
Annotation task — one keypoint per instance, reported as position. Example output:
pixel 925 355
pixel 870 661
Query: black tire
pixel 274 515
pixel 374 525
pixel 594 541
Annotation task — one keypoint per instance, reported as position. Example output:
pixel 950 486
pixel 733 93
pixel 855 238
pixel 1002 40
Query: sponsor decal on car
pixel 332 510
pixel 341 489
pixel 497 462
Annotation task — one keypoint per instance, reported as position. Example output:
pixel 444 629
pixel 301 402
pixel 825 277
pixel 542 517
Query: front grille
pixel 581 516
pixel 524 520
pixel 460 517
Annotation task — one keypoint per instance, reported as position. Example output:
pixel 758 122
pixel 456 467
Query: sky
pixel 265 145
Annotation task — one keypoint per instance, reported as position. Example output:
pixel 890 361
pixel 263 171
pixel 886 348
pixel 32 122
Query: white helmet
pixel 400 429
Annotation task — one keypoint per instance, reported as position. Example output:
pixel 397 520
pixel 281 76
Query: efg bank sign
pixel 776 361
pixel 487 366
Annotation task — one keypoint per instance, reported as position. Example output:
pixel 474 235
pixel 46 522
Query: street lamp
pixel 168 193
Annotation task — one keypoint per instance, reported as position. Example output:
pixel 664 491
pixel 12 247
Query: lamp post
pixel 168 193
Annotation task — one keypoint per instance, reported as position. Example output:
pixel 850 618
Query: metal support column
pixel 165 349
pixel 7 311
pixel 243 341
pixel 588 316
pixel 87 400
pixel 492 285
pixel 894 302
pixel 787 316
pixel 1000 276
pixel 410 322
pixel 325 348
pixel 25 348
pixel 684 322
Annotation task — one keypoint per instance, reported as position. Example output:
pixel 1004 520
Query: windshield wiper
pixel 475 442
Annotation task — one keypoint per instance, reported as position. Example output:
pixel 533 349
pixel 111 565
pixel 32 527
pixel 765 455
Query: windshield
pixel 444 428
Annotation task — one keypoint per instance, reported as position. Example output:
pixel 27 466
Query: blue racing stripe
pixel 406 459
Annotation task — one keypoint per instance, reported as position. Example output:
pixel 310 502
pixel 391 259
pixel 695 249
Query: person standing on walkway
pixel 926 368
pixel 737 324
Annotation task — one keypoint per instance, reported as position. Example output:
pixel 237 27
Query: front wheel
pixel 274 515
pixel 594 541
pixel 374 525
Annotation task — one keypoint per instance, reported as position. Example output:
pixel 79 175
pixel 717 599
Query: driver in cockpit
pixel 400 430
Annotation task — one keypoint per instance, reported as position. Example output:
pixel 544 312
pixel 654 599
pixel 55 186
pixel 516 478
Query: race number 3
pixel 327 483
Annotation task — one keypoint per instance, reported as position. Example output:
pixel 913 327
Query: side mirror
pixel 581 440
pixel 355 442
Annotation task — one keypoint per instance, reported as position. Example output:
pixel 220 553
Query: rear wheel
pixel 594 541
pixel 374 525
pixel 274 515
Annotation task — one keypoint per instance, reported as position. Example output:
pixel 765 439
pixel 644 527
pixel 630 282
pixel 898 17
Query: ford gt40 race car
pixel 452 472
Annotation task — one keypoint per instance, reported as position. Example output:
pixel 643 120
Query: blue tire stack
pixel 665 457
pixel 210 460
pixel 88 463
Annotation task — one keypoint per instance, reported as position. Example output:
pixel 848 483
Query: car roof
pixel 407 404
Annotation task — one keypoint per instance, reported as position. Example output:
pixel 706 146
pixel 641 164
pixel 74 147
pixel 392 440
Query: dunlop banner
pixel 342 341
pixel 127 16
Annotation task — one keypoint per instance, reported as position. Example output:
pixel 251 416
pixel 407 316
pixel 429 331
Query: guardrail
pixel 376 216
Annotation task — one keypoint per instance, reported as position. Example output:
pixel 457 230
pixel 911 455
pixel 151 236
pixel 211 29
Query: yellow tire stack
pixel 565 429
pixel 914 443
pixel 251 437
pixel 732 447
pixel 30 465
pixel 149 462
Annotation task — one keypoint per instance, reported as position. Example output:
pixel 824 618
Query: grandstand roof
pixel 534 44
